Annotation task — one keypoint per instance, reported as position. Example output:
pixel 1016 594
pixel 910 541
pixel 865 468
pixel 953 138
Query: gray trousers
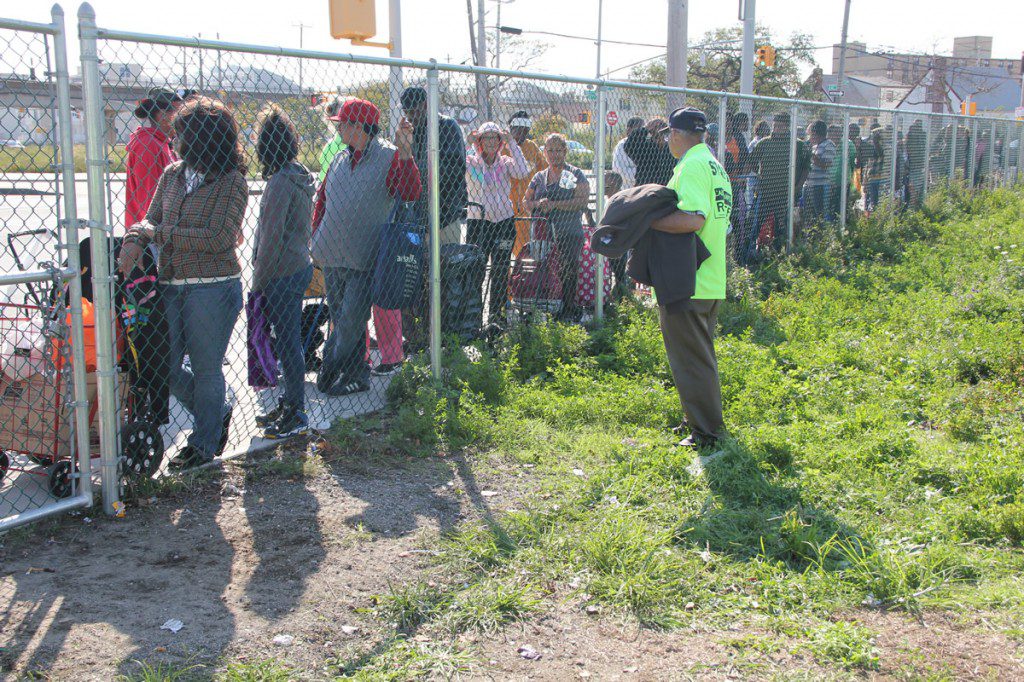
pixel 688 329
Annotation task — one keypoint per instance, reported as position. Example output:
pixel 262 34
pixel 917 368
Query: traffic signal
pixel 765 56
pixel 585 118
pixel 969 108
pixel 353 19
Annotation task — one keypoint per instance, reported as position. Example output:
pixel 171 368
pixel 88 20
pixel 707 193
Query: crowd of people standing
pixel 187 192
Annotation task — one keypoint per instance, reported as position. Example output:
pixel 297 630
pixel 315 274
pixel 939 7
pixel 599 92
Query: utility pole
pixel 842 51
pixel 481 46
pixel 748 16
pixel 395 72
pixel 301 28
pixel 600 23
pixel 677 44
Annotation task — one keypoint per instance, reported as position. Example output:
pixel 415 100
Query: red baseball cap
pixel 357 111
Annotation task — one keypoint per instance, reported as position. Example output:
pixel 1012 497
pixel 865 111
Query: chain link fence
pixel 274 233
pixel 45 353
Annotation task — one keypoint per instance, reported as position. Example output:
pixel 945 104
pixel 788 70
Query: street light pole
pixel 395 72
pixel 301 28
pixel 600 23
pixel 842 51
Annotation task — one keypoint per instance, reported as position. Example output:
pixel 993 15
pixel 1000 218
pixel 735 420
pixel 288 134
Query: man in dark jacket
pixel 688 327
pixel 648 149
pixel 451 164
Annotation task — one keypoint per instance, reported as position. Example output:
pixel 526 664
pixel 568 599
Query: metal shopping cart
pixel 534 287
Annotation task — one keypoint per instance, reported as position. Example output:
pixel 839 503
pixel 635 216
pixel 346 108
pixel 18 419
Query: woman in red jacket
pixel 149 150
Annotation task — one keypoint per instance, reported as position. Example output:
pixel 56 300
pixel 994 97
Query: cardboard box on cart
pixel 33 419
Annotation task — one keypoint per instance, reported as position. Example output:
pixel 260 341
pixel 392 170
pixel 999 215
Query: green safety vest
pixel 702 186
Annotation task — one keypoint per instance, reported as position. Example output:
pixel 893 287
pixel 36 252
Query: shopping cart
pixel 534 287
pixel 35 396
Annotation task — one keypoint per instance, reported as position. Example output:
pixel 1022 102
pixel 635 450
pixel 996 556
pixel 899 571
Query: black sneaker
pixel 226 426
pixel 188 458
pixel 346 387
pixel 265 420
pixel 292 422
pixel 325 380
pixel 386 368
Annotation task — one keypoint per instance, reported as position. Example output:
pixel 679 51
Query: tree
pixel 517 54
pixel 717 65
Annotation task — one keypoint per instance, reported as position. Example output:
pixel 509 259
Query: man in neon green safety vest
pixel 688 327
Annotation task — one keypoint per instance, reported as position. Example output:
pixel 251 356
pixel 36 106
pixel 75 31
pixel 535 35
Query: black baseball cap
pixel 413 96
pixel 689 119
pixel 161 99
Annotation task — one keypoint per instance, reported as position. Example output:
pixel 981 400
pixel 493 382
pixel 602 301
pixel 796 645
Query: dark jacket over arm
pixel 666 261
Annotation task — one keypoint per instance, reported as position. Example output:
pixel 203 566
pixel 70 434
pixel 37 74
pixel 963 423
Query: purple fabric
pixel 262 363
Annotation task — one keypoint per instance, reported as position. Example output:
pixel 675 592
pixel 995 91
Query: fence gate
pixel 44 350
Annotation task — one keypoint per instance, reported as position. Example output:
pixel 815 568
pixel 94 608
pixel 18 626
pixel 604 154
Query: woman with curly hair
pixel 196 220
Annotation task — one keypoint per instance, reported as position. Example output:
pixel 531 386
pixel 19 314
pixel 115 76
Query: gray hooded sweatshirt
pixel 282 236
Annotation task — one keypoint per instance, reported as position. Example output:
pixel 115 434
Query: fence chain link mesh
pixel 38 449
pixel 271 215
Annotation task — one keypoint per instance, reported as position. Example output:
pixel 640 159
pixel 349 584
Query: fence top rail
pixel 32 26
pixel 206 44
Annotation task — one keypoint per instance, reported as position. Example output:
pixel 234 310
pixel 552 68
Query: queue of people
pixel 186 204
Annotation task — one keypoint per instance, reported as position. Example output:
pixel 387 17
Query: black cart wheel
pixel 5 464
pixel 142 449
pixel 60 479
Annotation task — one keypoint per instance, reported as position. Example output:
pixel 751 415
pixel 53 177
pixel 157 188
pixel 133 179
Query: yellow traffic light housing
pixel 765 56
pixel 585 118
pixel 355 20
pixel 969 108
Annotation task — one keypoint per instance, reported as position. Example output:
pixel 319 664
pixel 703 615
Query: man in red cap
pixel 352 205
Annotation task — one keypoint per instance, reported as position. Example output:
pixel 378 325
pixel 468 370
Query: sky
pixel 439 28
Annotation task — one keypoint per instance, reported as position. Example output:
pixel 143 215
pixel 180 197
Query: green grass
pixel 35 158
pixel 875 453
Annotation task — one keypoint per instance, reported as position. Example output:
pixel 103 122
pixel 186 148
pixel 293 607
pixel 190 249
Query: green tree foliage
pixel 717 67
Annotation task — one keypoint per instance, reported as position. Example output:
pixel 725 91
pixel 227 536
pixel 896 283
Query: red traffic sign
pixel 612 118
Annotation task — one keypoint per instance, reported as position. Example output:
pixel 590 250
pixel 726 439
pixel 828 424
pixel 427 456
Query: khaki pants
pixel 688 329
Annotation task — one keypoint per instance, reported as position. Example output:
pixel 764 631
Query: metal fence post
pixel 791 200
pixel 927 156
pixel 433 166
pixel 1020 152
pixel 990 181
pixel 96 167
pixel 893 152
pixel 972 153
pixel 954 140
pixel 844 182
pixel 720 142
pixel 67 171
pixel 599 144
pixel 1005 175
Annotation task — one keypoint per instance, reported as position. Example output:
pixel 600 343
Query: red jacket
pixel 148 154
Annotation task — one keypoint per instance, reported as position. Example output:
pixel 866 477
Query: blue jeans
pixel 874 189
pixel 348 297
pixel 815 200
pixel 284 311
pixel 200 319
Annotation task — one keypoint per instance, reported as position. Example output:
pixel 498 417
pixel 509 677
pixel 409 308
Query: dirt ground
pixel 268 549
